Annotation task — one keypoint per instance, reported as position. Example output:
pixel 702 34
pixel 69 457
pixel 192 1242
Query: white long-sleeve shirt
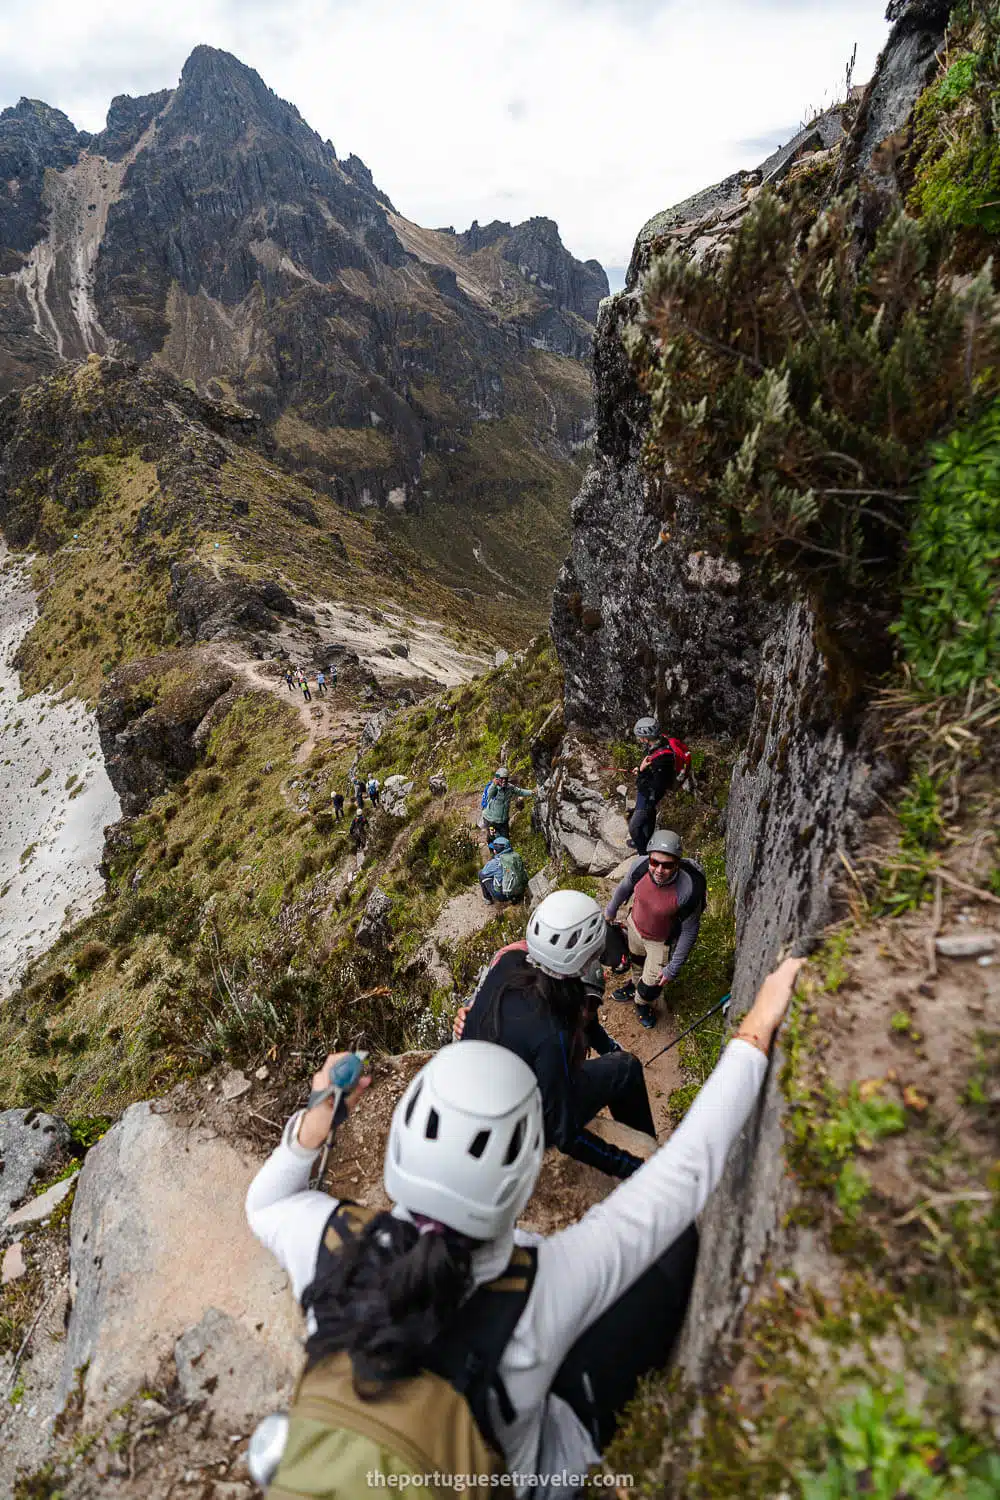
pixel 581 1272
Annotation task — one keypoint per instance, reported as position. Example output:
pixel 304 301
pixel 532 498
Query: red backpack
pixel 681 755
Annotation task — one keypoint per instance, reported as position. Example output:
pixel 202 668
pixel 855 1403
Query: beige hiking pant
pixel 654 954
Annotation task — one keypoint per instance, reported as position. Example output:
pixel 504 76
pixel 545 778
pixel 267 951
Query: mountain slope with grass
pixel 209 233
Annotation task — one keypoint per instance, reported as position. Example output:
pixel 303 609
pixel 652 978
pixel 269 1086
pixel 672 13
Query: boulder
pixel 163 1265
pixel 32 1144
pixel 437 784
pixel 373 930
pixel 575 817
pixel 395 790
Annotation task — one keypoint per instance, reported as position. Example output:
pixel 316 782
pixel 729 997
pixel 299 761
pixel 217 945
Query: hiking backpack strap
pixel 698 899
pixel 345 1223
pixel 468 1354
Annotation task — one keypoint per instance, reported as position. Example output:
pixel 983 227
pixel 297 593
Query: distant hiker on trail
pixel 533 1000
pixel 498 794
pixel 358 830
pixel 338 805
pixel 665 762
pixel 332 675
pixel 304 685
pixel 289 677
pixel 668 896
pixel 374 788
pixel 444 1282
pixel 504 877
pixel 359 793
pixel 321 681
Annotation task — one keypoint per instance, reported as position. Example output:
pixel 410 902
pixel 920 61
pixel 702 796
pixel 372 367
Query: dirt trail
pixel 330 716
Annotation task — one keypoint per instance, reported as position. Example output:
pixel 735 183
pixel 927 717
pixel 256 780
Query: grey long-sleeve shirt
pixel 689 920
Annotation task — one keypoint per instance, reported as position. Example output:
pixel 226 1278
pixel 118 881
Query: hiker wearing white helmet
pixel 498 794
pixel 536 1000
pixel 440 1336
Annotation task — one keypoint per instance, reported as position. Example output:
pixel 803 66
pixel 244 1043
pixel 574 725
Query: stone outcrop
pixel 167 1278
pixel 217 607
pixel 32 1143
pixel 373 931
pixel 574 815
pixel 642 623
pixel 148 718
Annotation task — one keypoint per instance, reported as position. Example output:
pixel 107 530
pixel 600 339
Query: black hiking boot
pixel 625 993
pixel 646 1016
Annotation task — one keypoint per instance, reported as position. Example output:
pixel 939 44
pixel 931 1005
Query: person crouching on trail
pixel 534 1001
pixel 657 773
pixel 504 877
pixel 440 1337
pixel 668 897
pixel 497 797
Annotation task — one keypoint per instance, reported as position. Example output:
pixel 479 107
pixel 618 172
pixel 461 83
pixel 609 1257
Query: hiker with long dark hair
pixel 535 1000
pixel 440 1337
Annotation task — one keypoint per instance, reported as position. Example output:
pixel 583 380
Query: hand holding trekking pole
pixel 316 1123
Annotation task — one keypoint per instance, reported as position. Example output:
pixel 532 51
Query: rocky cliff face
pixel 648 615
pixel 208 229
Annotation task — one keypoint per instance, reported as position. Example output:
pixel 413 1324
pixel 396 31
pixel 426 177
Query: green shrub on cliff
pixel 956 137
pixel 797 389
pixel 950 625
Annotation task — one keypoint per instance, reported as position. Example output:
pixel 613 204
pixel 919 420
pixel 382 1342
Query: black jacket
pixel 658 778
pixel 515 1020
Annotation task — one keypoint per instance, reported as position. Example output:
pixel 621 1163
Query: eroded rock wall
pixel 646 613
pixel 801 791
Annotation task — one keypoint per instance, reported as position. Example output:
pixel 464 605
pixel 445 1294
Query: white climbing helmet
pixel 565 933
pixel 646 729
pixel 466 1140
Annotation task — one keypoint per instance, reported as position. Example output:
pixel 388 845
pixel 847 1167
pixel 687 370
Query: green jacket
pixel 498 800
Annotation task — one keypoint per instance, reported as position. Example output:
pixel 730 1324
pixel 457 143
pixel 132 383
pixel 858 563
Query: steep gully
pixel 58 278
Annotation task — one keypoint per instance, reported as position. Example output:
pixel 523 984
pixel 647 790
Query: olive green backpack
pixel 437 1422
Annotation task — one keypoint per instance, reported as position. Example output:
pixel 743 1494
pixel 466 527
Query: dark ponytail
pixel 385 1297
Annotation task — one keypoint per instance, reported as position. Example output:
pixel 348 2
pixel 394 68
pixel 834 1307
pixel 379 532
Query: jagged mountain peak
pixel 209 228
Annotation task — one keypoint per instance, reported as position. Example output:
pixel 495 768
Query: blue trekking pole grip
pixel 344 1076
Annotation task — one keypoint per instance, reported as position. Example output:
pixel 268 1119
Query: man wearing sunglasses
pixel 668 897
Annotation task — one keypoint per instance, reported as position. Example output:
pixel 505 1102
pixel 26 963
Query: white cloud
pixel 597 113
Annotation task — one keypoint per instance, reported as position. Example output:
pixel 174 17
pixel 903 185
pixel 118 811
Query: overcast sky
pixel 596 113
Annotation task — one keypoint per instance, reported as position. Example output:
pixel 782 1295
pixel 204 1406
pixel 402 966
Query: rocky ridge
pixel 210 231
